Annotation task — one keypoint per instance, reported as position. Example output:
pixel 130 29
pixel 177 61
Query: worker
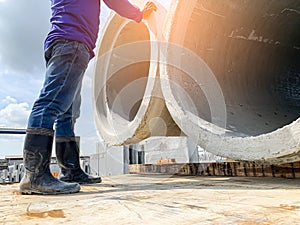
pixel 68 49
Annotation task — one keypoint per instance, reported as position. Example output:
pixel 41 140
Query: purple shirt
pixel 79 19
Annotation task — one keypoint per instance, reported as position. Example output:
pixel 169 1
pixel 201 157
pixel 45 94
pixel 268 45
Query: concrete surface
pixel 160 199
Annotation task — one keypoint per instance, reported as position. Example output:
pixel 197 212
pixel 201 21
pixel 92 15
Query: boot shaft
pixel 37 150
pixel 67 152
pixel 37 157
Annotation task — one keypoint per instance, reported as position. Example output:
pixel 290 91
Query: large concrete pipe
pixel 128 103
pixel 230 75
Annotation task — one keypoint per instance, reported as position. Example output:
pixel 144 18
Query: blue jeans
pixel 59 100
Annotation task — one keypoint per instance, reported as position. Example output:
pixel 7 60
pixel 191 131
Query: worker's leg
pixel 66 64
pixel 67 149
pixel 65 123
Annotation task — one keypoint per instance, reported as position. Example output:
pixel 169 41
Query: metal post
pixel 125 159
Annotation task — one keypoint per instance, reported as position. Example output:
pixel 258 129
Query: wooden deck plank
pixel 160 199
pixel 230 169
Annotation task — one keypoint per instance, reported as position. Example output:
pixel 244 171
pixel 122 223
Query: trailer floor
pixel 160 199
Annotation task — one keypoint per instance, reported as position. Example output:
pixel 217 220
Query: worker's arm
pixel 126 9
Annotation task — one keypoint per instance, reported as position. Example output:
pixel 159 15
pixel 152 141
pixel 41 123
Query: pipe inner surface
pixel 253 49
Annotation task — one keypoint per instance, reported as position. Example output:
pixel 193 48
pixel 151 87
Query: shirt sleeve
pixel 125 8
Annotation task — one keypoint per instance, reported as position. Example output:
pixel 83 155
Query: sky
pixel 23 29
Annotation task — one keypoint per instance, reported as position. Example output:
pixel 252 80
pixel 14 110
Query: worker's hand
pixel 148 9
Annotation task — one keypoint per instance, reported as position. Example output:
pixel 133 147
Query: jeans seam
pixel 67 75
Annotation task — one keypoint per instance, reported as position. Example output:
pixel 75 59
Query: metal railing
pixel 10 130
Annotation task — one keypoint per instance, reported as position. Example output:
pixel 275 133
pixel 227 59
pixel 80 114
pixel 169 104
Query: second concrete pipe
pixel 231 76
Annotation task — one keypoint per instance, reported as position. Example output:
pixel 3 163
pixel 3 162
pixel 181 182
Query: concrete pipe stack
pixel 225 73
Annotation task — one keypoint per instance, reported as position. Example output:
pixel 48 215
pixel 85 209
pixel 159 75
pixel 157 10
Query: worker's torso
pixel 74 20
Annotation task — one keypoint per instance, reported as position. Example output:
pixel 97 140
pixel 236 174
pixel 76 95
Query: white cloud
pixel 21 86
pixel 14 114
pixel 8 100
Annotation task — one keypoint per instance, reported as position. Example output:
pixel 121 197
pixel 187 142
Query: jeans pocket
pixel 83 54
pixel 64 48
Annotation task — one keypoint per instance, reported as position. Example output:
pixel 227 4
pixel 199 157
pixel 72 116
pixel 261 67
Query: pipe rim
pixel 111 131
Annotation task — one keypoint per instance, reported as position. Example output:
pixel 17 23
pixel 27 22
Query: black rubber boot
pixel 67 154
pixel 37 157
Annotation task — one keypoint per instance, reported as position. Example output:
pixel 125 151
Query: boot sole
pixel 36 192
pixel 83 182
pixel 95 182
